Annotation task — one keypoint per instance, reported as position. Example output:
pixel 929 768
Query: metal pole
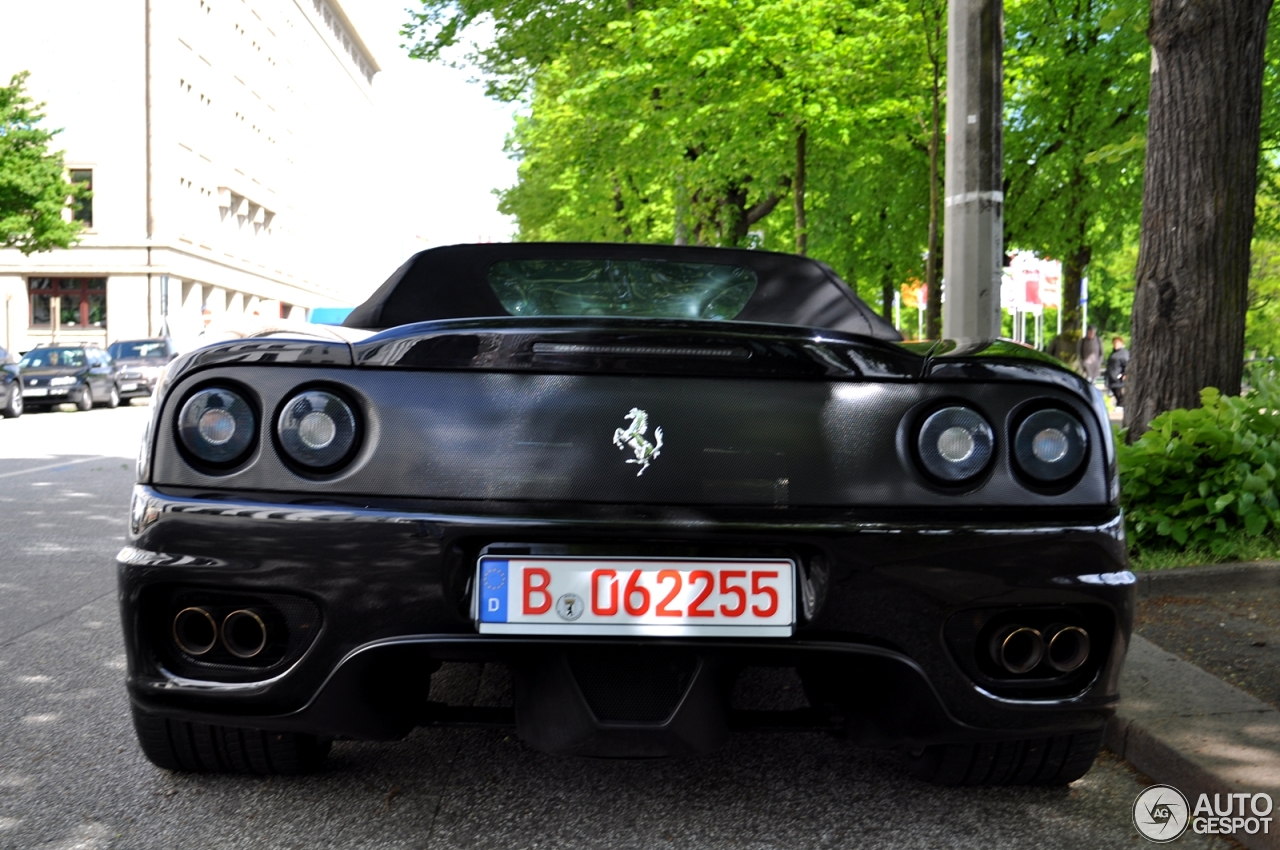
pixel 164 305
pixel 973 236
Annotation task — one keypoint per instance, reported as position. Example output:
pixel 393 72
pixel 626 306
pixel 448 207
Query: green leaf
pixel 1255 523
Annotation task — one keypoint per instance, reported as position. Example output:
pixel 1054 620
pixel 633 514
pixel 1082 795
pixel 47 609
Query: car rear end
pixel 627 513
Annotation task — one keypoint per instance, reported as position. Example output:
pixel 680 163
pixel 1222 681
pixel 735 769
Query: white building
pixel 227 143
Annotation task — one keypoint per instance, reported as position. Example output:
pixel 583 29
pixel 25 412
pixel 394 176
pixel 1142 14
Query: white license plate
pixel 656 597
pixel 126 387
pixel 35 392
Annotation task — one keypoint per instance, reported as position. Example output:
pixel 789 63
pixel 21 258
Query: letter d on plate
pixel 494 585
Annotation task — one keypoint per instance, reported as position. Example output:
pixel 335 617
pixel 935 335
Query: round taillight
pixel 217 426
pixel 1050 445
pixel 955 444
pixel 317 429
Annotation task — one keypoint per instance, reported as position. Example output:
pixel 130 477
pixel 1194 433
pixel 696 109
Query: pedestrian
pixel 1117 367
pixel 1091 354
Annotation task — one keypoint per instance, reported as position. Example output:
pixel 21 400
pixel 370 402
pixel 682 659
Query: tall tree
pixel 33 189
pixel 1075 113
pixel 933 20
pixel 1198 205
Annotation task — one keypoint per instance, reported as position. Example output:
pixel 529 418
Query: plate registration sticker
pixel 657 597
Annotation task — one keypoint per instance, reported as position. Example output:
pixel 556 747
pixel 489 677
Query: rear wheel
pixel 113 400
pixel 203 748
pixel 1037 761
pixel 13 405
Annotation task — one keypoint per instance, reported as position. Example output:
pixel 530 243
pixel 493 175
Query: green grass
pixel 1264 547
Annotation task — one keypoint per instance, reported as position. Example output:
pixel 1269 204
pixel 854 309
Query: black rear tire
pixel 1038 761
pixel 203 748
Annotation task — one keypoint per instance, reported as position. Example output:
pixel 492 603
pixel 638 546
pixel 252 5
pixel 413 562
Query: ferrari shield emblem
pixel 633 436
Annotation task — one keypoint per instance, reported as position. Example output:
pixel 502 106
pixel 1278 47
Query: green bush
pixel 1200 477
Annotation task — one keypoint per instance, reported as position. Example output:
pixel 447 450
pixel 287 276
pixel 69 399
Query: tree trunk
pixel 620 209
pixel 802 225
pixel 1066 346
pixel 886 295
pixel 933 263
pixel 682 213
pixel 1198 203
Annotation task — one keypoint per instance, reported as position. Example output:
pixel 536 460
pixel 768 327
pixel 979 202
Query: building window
pixel 82 301
pixel 85 212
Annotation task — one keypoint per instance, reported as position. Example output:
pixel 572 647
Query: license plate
pixel 127 387
pixel 656 597
pixel 35 392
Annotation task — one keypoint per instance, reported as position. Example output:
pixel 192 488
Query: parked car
pixel 81 374
pixel 629 473
pixel 10 385
pixel 141 363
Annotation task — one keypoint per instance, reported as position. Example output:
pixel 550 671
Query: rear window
pixel 641 288
pixel 142 348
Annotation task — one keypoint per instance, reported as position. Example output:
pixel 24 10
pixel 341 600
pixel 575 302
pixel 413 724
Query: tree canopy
pixel 34 191
pixel 807 125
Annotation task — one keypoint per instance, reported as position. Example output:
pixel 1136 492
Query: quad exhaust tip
pixel 1067 647
pixel 195 631
pixel 1017 649
pixel 1020 649
pixel 244 634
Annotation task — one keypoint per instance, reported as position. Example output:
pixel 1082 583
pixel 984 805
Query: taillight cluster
pixel 317 430
pixel 955 445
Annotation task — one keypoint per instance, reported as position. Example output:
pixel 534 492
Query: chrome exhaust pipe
pixel 195 631
pixel 1017 649
pixel 1068 647
pixel 244 634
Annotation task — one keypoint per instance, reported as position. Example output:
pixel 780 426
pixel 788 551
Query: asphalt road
pixel 71 775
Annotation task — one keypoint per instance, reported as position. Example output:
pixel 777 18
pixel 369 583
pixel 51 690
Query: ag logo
pixel 1161 813
pixel 634 436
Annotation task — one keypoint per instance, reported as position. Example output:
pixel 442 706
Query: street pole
pixel 164 305
pixel 973 238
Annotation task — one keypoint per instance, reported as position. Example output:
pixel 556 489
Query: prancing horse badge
pixel 634 436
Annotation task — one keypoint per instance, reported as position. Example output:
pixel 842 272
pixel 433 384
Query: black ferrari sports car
pixel 628 474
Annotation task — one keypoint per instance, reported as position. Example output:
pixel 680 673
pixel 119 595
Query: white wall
pixel 256 97
pixel 127 307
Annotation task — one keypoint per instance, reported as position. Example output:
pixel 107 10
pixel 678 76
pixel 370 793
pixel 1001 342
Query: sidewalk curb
pixel 1185 727
pixel 1214 577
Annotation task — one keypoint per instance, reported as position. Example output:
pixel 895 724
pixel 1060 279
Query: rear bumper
pixel 137 387
pixel 391 584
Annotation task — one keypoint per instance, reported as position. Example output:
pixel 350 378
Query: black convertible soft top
pixel 452 282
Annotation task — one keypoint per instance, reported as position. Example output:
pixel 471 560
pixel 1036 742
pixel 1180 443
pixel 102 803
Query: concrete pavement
pixel 1186 728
